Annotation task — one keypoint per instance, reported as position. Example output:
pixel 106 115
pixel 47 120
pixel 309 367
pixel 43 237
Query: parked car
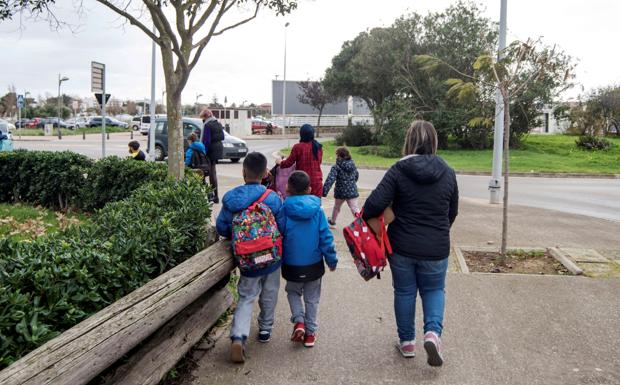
pixel 97 121
pixel 262 126
pixel 34 123
pixel 234 148
pixel 143 123
pixel 79 122
pixel 55 122
pixel 23 122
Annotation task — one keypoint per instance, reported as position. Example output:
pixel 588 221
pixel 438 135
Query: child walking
pixel 345 174
pixel 259 279
pixel 307 243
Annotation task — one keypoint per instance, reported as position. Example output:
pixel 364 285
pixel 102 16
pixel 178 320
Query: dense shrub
pixel 113 178
pixel 50 179
pixel 49 285
pixel 355 136
pixel 591 142
pixel 62 180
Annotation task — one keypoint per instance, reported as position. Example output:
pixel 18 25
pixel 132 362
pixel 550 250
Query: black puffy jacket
pixel 423 193
pixel 345 174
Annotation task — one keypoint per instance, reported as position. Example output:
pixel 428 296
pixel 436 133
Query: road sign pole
pixel 19 119
pixel 103 101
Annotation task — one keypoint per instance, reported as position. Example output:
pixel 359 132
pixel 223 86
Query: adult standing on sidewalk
pixel 422 191
pixel 307 156
pixel 212 136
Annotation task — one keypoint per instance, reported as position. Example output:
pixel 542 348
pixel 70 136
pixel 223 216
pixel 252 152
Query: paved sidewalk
pixel 499 329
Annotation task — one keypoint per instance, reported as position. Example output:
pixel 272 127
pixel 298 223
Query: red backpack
pixel 369 251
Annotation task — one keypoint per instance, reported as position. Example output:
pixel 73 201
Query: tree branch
pixel 239 23
pixel 202 20
pixel 132 20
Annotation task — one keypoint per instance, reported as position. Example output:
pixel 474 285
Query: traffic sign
pixel 97 77
pixel 20 101
pixel 98 96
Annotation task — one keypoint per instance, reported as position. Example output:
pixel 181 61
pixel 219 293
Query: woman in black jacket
pixel 212 136
pixel 422 191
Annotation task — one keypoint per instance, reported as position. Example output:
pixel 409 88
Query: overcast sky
pixel 241 63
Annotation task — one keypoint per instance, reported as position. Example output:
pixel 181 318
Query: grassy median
pixel 539 153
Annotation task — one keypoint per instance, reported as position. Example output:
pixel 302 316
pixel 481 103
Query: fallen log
pixel 80 353
pixel 150 363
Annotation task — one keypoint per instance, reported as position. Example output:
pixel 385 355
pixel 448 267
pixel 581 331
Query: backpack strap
pixel 261 198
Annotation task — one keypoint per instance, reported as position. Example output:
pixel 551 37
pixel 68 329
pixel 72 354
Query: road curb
pixel 564 260
pixel 462 263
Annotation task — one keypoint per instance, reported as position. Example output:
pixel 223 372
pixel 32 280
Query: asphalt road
pixel 599 198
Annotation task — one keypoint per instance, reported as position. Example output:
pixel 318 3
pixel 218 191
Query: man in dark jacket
pixel 212 137
pixel 422 191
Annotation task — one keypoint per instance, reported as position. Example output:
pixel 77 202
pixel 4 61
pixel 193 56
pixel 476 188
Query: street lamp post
pixel 60 80
pixel 151 143
pixel 196 103
pixel 498 136
pixel 284 85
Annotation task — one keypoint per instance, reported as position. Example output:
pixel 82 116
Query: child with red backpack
pixel 307 242
pixel 250 216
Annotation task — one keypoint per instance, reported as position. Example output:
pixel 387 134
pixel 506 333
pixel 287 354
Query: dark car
pixel 97 121
pixel 22 123
pixel 55 122
pixel 234 148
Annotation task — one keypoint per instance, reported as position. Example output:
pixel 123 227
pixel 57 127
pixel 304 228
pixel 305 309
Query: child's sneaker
pixel 332 224
pixel 432 345
pixel 406 348
pixel 264 336
pixel 309 340
pixel 237 351
pixel 299 330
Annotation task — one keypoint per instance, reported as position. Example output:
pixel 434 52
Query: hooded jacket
pixel 423 193
pixel 345 174
pixel 195 146
pixel 307 239
pixel 239 199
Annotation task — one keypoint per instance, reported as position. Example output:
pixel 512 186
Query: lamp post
pixel 196 103
pixel 151 142
pixel 60 80
pixel 284 85
pixel 498 136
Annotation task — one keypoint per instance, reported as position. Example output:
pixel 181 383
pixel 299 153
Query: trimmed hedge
pixel 56 281
pixel 63 180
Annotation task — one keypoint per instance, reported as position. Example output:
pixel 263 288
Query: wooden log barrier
pixel 82 352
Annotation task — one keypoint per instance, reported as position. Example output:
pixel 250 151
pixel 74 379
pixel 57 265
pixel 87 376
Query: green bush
pixel 49 285
pixel 113 178
pixel 50 179
pixel 355 136
pixel 591 142
pixel 62 180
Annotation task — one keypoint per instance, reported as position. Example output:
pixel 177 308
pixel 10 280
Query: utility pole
pixel 498 137
pixel 284 85
pixel 60 80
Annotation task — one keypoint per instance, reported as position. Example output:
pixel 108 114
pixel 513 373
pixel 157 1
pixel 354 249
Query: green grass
pixel 66 132
pixel 539 153
pixel 23 222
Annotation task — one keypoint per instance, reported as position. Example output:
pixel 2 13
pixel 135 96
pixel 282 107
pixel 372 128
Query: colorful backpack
pixel 369 251
pixel 256 240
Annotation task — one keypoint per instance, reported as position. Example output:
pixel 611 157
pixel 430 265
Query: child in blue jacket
pixel 307 242
pixel 262 284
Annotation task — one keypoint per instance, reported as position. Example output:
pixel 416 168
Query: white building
pixel 550 125
pixel 238 119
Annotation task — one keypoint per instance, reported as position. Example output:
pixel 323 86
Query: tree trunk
pixel 174 87
pixel 318 122
pixel 506 176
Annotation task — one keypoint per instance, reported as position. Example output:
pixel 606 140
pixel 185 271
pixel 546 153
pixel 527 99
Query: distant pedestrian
pixel 307 156
pixel 211 137
pixel 135 152
pixel 345 174
pixel 308 245
pixel 422 191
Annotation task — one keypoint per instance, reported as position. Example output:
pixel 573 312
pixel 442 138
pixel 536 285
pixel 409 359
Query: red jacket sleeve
pixel 291 159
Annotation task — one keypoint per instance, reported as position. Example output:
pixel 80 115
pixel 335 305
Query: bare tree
pixel 182 29
pixel 523 64
pixel 315 95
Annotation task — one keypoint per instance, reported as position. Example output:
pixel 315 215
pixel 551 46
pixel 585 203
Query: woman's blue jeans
pixel 410 275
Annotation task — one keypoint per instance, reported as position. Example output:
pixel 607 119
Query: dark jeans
pixel 213 179
pixel 410 275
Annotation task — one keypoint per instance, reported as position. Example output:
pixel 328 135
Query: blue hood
pixel 197 146
pixel 302 206
pixel 241 197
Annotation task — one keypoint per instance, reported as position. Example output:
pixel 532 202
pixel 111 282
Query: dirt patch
pixel 517 261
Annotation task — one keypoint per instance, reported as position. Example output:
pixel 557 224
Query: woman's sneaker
pixel 432 345
pixel 264 336
pixel 237 351
pixel 332 224
pixel 299 330
pixel 309 340
pixel 406 348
